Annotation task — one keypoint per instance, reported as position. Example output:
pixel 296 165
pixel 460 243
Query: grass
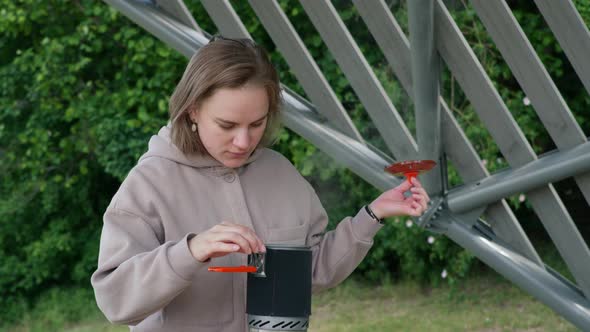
pixel 483 303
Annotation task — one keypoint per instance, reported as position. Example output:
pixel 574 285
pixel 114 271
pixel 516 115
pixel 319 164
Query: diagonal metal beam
pixel 478 87
pixel 363 159
pixel 390 37
pixel 533 78
pixel 178 10
pixel 299 115
pixel 571 33
pixel 303 66
pixel 396 48
pixel 160 24
pixel 544 284
pixel 553 167
pixel 225 18
pixel 425 66
pixel 480 90
pixel 470 168
pixel 362 79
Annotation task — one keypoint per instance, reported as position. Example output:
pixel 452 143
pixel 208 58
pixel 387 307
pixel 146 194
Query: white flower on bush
pixel 526 101
pixel 431 239
pixel 521 198
pixel 444 273
pixel 484 162
pixel 409 223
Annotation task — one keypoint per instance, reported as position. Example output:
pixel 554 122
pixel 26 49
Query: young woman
pixel 207 192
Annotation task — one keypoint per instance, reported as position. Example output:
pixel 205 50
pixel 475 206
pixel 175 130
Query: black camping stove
pixel 279 292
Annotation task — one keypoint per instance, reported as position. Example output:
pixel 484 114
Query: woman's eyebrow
pixel 235 123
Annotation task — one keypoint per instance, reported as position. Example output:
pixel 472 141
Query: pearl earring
pixel 194 127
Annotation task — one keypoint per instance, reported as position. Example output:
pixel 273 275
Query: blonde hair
pixel 222 63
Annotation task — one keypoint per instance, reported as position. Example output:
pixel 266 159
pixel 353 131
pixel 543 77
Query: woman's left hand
pixel 394 203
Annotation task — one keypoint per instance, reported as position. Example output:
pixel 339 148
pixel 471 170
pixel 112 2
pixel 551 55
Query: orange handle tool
pixel 242 268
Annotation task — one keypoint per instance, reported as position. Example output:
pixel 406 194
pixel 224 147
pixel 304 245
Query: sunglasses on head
pixel 241 41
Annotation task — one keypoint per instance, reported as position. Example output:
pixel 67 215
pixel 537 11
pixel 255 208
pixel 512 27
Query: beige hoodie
pixel 146 276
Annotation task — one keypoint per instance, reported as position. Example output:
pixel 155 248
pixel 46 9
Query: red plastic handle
pixel 410 175
pixel 242 268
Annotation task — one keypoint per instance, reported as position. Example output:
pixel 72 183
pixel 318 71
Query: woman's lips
pixel 238 154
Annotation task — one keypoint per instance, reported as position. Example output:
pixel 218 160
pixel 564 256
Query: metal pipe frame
pixel 511 141
pixel 182 38
pixel 552 167
pixel 347 54
pixel 396 49
pixel 544 284
pixel 299 115
pixel 425 67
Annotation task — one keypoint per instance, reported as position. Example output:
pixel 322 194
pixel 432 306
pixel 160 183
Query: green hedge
pixel 82 89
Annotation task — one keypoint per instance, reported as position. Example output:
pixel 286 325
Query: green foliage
pixel 82 89
pixel 404 250
pixel 59 306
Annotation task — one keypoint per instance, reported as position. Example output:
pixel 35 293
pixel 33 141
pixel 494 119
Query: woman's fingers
pixel 404 186
pixel 396 202
pixel 420 199
pixel 203 247
pixel 219 247
pixel 254 244
pixel 421 191
pixel 417 209
pixel 233 237
pixel 419 194
pixel 417 183
pixel 223 239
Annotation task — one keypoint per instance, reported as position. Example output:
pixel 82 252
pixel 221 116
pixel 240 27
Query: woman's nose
pixel 242 139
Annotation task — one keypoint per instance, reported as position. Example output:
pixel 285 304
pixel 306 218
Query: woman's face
pixel 231 123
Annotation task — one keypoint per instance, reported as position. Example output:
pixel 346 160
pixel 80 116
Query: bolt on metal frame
pixel 435 38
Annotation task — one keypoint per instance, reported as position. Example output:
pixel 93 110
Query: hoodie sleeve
pixel 137 275
pixel 338 252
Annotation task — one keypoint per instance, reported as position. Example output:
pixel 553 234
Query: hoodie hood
pixel 161 146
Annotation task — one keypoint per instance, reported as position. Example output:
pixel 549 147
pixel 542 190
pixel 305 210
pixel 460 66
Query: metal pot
pixel 278 288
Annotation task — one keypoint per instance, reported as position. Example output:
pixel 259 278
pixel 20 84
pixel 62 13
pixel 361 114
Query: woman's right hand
pixel 223 239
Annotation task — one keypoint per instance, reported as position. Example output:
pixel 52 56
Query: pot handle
pixel 242 268
pixel 255 265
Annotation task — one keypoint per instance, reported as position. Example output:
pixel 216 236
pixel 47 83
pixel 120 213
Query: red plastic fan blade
pixel 410 168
